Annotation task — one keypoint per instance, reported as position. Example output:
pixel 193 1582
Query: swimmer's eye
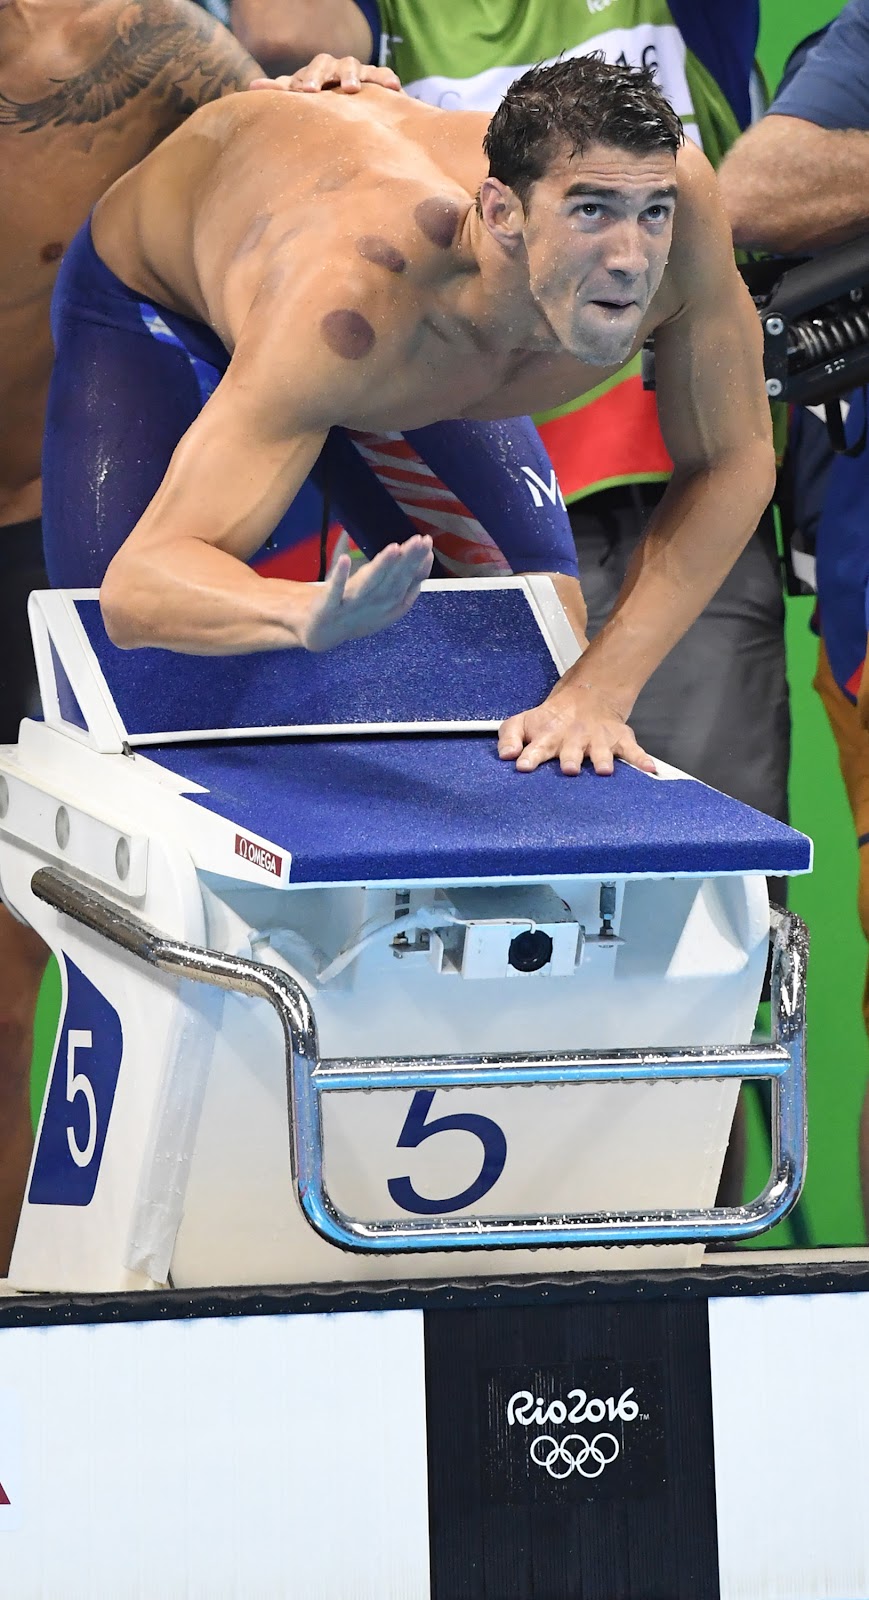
pixel 593 211
pixel 588 211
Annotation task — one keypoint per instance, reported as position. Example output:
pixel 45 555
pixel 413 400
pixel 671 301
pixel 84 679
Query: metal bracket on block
pixel 309 1078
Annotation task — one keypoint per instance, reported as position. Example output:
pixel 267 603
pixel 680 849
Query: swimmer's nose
pixel 626 255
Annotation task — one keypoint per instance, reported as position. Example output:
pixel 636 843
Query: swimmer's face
pixel 597 230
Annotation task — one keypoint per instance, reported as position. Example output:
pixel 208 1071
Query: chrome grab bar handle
pixel 309 1079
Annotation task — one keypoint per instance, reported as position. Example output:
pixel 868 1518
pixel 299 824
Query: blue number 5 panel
pixel 80 1096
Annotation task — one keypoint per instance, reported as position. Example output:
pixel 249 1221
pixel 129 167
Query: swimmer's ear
pixel 502 212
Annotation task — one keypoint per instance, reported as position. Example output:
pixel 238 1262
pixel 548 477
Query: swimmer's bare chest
pixel 49 182
pixel 51 177
pixel 87 89
pixel 57 156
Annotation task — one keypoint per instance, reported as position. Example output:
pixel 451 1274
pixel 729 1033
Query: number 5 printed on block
pixel 77 1083
pixel 80 1097
pixel 416 1129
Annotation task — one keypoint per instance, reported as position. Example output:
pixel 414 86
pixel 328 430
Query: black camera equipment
pixel 815 319
pixel 814 312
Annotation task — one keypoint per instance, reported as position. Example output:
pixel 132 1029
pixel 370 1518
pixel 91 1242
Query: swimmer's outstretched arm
pixel 715 420
pixel 181 582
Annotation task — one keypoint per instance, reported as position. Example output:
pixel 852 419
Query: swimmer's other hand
pixel 344 74
pixel 346 607
pixel 574 722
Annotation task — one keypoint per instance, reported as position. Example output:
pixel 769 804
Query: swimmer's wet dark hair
pixel 576 102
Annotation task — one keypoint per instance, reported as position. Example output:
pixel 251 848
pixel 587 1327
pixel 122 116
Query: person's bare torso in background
pixel 87 88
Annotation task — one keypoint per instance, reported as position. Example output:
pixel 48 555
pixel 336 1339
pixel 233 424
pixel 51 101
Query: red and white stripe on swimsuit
pixel 462 545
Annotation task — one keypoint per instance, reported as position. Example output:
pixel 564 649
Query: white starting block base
pixel 390 877
pixel 569 1149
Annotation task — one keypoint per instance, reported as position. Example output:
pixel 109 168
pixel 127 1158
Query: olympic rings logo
pixel 561 1457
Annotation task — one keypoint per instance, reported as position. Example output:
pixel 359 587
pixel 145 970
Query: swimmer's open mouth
pixel 614 305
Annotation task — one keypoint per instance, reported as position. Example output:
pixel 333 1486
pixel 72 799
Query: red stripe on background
pixel 855 680
pixel 4 1498
pixel 615 436
pixel 302 561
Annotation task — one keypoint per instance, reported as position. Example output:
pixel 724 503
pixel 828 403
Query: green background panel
pixel 783 23
pixel 837 1050
pixel 44 1033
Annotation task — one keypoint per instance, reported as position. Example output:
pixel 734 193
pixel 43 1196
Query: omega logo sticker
pixel 259 855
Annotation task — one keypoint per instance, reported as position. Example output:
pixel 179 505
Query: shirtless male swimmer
pixel 372 272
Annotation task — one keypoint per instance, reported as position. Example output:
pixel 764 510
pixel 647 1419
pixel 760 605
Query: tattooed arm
pixel 206 61
pixel 168 49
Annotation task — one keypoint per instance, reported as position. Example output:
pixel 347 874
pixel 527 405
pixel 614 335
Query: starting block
pixel 347 998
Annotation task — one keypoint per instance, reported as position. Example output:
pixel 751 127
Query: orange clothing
pixel 852 740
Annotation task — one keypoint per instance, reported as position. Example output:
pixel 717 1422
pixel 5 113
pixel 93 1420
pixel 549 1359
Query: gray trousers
pixel 718 705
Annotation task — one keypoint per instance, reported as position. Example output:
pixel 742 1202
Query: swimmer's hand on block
pixel 346 607
pixel 344 74
pixel 576 721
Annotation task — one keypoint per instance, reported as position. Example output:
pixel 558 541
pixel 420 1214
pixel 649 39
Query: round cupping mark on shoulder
pixel 438 218
pixel 253 233
pixel 348 333
pixel 380 252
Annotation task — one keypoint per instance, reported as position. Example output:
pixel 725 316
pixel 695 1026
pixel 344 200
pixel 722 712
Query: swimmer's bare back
pixel 340 223
pixel 87 88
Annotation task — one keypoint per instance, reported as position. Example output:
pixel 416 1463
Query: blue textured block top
pixel 396 808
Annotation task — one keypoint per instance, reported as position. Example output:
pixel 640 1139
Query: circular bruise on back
pixel 371 247
pixel 438 218
pixel 348 334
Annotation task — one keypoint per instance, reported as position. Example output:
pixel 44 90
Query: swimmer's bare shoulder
pixel 338 323
pixel 360 180
pixel 323 340
pixel 144 64
pixel 708 343
pixel 236 161
pixel 356 227
pixel 701 254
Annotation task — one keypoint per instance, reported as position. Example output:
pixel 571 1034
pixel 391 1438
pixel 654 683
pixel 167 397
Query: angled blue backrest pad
pixel 393 807
pixel 67 703
pixel 460 655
